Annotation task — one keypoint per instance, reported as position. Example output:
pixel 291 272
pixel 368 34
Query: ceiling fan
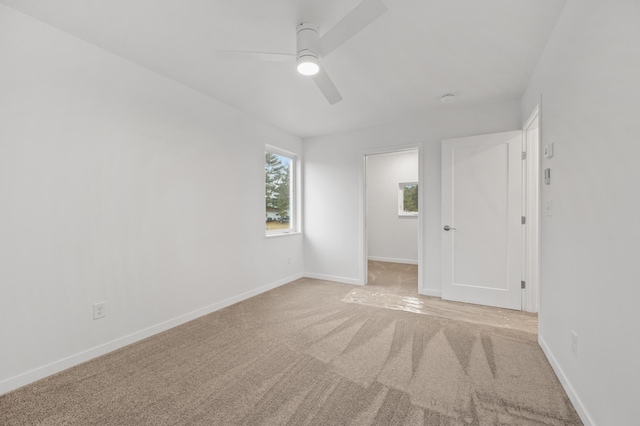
pixel 311 47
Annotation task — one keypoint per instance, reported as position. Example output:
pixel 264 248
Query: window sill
pixel 282 234
pixel 408 214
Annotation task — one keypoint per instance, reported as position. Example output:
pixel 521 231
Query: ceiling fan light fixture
pixel 307 52
pixel 308 65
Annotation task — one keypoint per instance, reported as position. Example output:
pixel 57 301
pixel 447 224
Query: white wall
pixel 390 237
pixel 119 185
pixel 333 180
pixel 588 78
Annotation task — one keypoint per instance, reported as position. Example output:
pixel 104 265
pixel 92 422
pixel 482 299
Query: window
pixel 280 202
pixel 408 199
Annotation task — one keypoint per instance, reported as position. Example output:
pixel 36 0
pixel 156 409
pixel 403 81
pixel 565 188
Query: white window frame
pixel 401 187
pixel 293 193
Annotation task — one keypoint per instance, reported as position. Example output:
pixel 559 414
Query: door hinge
pixel 524 155
pixel 523 220
pixel 523 284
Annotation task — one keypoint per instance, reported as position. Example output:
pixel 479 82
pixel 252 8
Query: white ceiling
pixel 397 68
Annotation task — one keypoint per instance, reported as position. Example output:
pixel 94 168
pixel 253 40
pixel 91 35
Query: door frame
pixel 364 252
pixel 531 243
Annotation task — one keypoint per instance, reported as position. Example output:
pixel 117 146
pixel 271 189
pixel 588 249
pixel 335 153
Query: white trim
pixel 534 114
pixel 566 384
pixel 531 246
pixel 282 234
pixel 363 255
pixel 38 373
pixel 391 260
pixel 363 252
pixel 323 277
pixel 421 284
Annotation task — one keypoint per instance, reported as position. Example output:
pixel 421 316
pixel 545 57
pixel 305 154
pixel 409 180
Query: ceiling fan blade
pixel 355 21
pixel 251 55
pixel 326 86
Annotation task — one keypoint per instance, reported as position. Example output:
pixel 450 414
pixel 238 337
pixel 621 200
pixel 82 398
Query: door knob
pixel 448 228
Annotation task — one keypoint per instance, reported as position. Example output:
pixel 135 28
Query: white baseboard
pixel 31 376
pixel 342 280
pixel 392 260
pixel 430 292
pixel 571 393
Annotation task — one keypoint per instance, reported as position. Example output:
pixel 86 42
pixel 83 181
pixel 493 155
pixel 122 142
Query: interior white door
pixel 481 214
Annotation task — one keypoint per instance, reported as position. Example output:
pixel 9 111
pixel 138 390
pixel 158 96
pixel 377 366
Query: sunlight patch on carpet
pixel 386 300
pixel 494 317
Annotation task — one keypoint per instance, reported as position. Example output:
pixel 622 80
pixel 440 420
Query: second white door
pixel 481 214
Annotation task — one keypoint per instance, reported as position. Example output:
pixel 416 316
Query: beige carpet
pixel 299 355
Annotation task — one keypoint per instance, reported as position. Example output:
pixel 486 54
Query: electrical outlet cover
pixel 99 310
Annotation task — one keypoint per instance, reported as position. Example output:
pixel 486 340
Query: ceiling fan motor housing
pixel 307 37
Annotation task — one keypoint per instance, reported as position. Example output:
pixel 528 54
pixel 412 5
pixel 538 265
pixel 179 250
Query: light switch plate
pixel 548 150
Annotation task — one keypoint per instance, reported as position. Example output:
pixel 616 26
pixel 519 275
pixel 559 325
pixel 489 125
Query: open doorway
pixel 392 220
